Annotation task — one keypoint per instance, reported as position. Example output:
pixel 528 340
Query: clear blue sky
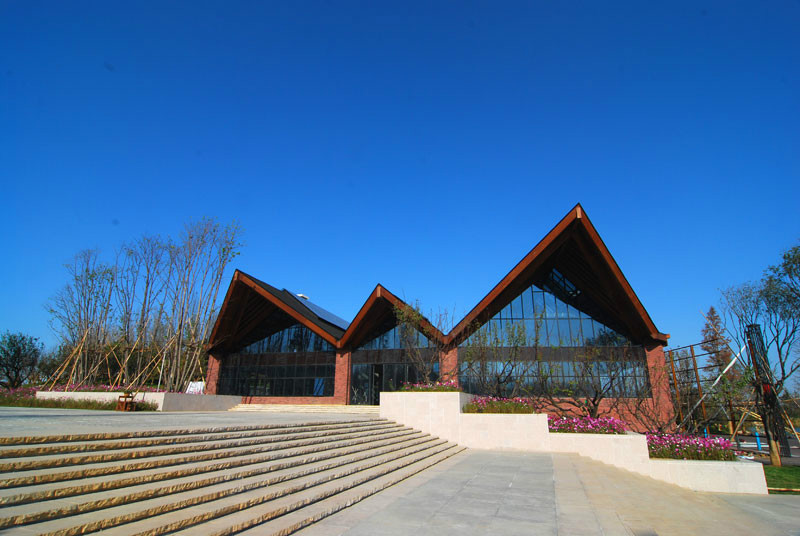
pixel 425 146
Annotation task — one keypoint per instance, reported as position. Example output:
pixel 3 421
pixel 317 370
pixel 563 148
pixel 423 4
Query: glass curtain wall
pixel 554 339
pixel 291 362
pixel 381 364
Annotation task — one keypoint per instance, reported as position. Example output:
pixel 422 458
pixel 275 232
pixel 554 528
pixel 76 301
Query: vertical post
pixel 699 387
pixel 732 422
pixel 341 380
pixel 675 384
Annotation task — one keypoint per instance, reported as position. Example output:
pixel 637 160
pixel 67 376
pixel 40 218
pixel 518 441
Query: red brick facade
pixel 212 374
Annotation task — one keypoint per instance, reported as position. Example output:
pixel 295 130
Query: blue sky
pixel 424 146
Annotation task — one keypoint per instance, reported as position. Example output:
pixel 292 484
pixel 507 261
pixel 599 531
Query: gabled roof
pixel 253 309
pixel 575 248
pixel 377 315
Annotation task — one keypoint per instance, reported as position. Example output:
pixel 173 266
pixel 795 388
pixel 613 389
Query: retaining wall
pixel 164 401
pixel 440 414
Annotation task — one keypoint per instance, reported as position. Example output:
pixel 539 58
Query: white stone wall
pixel 627 451
pixel 440 414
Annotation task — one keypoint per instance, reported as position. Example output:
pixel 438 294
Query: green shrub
pixel 489 404
pixel 431 387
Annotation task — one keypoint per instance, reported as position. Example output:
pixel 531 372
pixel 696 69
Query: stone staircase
pixel 308 408
pixel 269 479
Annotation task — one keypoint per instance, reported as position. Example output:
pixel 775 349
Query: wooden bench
pixel 125 402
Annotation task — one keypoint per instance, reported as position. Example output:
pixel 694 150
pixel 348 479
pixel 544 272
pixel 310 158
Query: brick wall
pixel 212 375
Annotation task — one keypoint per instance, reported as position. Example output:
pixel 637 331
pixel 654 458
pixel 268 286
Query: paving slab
pixel 490 492
pixel 479 492
pixel 46 421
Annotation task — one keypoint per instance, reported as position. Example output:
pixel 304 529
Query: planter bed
pixel 440 414
pixel 164 401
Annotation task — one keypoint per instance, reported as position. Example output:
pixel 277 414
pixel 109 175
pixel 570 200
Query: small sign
pixel 195 388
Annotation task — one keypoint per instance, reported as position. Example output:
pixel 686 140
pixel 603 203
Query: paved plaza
pixel 482 492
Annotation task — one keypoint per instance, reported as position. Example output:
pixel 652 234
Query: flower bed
pixel 684 447
pixel 433 387
pixel 586 425
pixel 493 404
pixel 26 397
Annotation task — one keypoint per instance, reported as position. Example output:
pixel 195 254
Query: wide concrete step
pixel 118 443
pixel 163 455
pixel 202 472
pixel 308 408
pixel 201 479
pixel 281 520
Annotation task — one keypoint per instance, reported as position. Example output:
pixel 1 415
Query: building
pixel 274 346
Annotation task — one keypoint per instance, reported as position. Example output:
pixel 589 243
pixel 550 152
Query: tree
pixel 715 343
pixel 425 356
pixel 146 317
pixel 731 388
pixel 773 303
pixel 596 381
pixel 787 272
pixel 19 356
pixel 499 361
pixel 81 312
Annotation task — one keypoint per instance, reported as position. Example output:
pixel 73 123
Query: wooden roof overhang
pixel 252 310
pixel 575 249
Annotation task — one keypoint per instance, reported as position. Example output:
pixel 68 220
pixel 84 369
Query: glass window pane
pixel 538 303
pixel 587 326
pixel 575 329
pixel 527 304
pixel 534 331
pixel 564 333
pixel 552 332
pixel 550 303
pixel 516 307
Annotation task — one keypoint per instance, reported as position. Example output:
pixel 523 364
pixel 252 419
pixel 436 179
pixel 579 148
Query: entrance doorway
pixel 367 380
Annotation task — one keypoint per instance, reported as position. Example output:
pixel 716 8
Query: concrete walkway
pixel 492 493
pixel 44 421
pixel 481 492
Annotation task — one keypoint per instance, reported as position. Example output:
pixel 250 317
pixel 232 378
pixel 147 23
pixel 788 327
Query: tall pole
pixel 699 388
pixel 675 383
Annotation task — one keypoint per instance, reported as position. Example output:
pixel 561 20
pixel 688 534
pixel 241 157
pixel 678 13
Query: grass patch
pixel 782 477
pixel 489 404
pixel 431 387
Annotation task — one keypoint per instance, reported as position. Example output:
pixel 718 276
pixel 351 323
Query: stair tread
pixel 224 450
pixel 245 515
pixel 294 479
pixel 11 452
pixel 297 518
pixel 158 476
pixel 219 477
pixel 204 483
